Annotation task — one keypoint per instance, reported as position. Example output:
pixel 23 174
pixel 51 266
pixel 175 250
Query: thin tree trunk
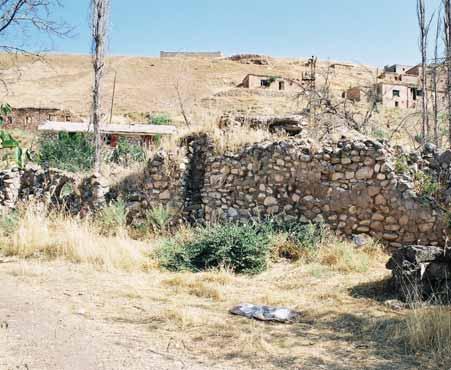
pixel 447 29
pixel 435 82
pixel 100 12
pixel 421 14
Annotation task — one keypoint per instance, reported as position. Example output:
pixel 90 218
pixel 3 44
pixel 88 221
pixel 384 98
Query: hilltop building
pixel 254 81
pixel 399 86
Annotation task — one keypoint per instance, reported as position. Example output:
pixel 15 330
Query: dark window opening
pixel 281 85
pixel 419 92
pixel 414 93
pixel 396 93
pixel 265 83
pixel 396 104
pixel 67 118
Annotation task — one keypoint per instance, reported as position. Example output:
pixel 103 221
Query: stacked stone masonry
pixel 350 185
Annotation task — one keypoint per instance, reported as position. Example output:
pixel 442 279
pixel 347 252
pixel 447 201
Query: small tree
pixel 424 30
pixel 447 38
pixel 100 12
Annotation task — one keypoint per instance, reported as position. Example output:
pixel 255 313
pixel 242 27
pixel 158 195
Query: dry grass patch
pixel 187 283
pixel 78 241
pixel 427 330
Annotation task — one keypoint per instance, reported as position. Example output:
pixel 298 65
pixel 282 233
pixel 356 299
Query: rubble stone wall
pixel 52 186
pixel 352 186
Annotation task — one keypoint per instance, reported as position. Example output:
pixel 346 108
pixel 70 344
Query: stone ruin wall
pixel 58 188
pixel 351 186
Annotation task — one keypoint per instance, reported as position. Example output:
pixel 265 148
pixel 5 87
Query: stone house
pixel 30 117
pixel 254 81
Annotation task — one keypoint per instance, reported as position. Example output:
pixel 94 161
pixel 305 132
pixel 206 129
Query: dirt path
pixel 56 316
pixel 43 327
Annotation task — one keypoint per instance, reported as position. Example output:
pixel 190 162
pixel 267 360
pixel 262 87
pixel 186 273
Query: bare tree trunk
pixel 447 29
pixel 435 107
pixel 421 15
pixel 100 12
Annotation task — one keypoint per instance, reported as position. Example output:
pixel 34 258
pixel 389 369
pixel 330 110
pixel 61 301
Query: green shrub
pixel 379 134
pixel 158 218
pixel 242 248
pixel 126 152
pixel 160 119
pixel 9 221
pixel 304 239
pixel 67 151
pixel 401 165
pixel 425 184
pixel 113 217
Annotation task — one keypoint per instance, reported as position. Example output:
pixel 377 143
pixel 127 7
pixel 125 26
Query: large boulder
pixel 422 273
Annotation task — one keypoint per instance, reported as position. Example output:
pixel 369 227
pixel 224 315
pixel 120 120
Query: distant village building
pixel 341 66
pixel 397 68
pixel 399 86
pixel 30 118
pixel 143 134
pixel 254 81
pixel 191 54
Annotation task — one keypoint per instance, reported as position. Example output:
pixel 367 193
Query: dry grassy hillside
pixel 146 84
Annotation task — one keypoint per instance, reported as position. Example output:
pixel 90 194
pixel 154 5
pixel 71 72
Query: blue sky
pixel 375 32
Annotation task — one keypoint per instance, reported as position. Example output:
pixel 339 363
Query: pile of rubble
pixel 422 273
pixel 289 124
pixel 257 59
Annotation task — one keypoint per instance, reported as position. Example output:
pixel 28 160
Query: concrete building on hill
pixel 254 81
pixel 400 86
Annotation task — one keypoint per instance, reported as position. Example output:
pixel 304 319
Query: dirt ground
pixel 55 315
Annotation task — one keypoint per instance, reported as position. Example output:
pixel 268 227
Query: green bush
pixel 401 165
pixel 113 217
pixel 126 152
pixel 160 119
pixel 67 151
pixel 305 237
pixel 242 248
pixel 425 184
pixel 9 222
pixel 158 218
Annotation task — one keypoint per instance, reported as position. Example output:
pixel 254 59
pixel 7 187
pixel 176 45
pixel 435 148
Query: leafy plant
pixel 425 184
pixel 241 248
pixel 303 239
pixel 67 151
pixel 9 221
pixel 126 152
pixel 160 119
pixel 8 142
pixel 113 217
pixel 158 218
pixel 401 165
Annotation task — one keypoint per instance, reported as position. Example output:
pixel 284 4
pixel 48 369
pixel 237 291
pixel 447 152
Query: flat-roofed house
pixel 254 81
